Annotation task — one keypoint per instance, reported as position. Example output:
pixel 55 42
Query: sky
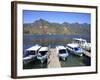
pixel 29 16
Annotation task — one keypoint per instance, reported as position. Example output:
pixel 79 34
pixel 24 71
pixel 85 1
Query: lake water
pixel 30 37
pixel 71 61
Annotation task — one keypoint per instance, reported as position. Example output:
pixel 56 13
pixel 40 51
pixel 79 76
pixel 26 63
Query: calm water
pixel 30 37
pixel 36 64
pixel 71 61
pixel 75 61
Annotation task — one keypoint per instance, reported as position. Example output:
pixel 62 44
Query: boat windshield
pixel 43 52
pixel 62 51
pixel 76 49
pixel 31 52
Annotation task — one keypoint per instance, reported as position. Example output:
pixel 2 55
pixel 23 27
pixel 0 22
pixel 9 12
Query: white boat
pixel 42 54
pixel 31 53
pixel 62 52
pixel 75 49
pixel 83 43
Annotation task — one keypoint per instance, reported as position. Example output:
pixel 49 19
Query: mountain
pixel 42 26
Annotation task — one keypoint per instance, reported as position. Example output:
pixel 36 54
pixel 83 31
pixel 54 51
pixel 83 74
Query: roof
pixel 61 47
pixel 34 48
pixel 73 45
pixel 43 49
pixel 79 39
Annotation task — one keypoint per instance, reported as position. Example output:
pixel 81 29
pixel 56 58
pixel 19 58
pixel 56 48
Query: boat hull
pixel 63 56
pixel 75 52
pixel 29 59
pixel 42 58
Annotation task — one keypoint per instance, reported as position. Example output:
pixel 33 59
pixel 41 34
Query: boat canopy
pixel 43 49
pixel 60 47
pixel 33 48
pixel 79 39
pixel 74 45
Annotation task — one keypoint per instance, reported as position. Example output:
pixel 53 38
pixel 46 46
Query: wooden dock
pixel 53 59
pixel 87 53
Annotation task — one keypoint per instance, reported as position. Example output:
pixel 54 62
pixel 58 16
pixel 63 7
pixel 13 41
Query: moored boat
pixel 31 53
pixel 83 43
pixel 42 54
pixel 62 52
pixel 75 49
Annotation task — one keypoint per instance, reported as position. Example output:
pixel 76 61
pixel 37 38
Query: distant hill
pixel 42 26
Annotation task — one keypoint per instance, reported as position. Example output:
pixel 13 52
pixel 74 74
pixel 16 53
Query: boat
pixel 74 48
pixel 83 43
pixel 62 52
pixel 42 54
pixel 31 53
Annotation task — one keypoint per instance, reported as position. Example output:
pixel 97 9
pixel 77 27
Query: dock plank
pixel 53 59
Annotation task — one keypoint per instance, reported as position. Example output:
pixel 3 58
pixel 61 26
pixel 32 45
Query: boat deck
pixel 87 53
pixel 53 59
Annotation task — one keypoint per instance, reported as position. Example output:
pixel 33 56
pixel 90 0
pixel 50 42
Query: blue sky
pixel 29 16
